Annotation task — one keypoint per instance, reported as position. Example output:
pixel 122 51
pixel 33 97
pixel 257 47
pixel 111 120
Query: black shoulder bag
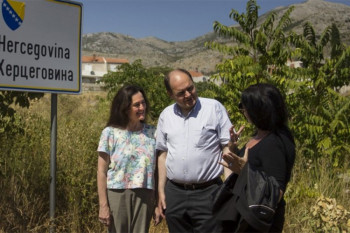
pixel 263 194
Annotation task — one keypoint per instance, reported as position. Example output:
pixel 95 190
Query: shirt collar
pixel 193 111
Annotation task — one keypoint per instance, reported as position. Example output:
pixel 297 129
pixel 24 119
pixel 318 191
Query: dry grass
pixel 24 173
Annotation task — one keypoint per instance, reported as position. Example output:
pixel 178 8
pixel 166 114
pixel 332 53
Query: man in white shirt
pixel 191 136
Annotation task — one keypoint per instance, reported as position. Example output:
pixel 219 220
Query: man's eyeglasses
pixel 183 92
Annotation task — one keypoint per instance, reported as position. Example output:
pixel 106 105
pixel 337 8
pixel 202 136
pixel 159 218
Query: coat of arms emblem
pixel 13 13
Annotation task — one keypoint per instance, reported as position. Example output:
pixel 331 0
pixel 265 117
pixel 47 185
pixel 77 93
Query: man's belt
pixel 195 186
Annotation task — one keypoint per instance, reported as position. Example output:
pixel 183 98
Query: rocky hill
pixel 193 55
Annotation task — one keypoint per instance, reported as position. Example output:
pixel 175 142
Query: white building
pixel 94 67
pixel 294 64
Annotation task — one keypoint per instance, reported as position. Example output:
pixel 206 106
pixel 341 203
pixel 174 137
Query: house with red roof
pixel 198 76
pixel 94 67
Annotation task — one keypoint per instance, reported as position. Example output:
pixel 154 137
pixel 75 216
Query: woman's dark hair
pixel 167 78
pixel 266 108
pixel 121 104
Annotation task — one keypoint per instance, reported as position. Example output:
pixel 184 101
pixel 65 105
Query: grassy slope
pixel 24 175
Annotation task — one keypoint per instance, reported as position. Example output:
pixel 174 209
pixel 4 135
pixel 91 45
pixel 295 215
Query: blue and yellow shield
pixel 13 13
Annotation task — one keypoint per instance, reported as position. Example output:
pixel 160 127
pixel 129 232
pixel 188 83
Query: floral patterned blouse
pixel 132 157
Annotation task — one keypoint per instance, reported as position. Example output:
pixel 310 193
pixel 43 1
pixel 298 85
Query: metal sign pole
pixel 53 161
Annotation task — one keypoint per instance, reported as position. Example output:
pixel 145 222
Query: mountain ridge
pixel 192 54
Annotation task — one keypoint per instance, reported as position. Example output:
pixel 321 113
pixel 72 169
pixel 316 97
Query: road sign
pixel 40 46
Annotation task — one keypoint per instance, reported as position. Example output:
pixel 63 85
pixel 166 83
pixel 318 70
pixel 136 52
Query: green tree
pixel 257 52
pixel 209 90
pixel 150 79
pixel 8 99
pixel 318 113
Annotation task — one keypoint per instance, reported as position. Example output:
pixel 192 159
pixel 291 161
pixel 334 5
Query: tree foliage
pixel 257 51
pixel 8 99
pixel 318 113
pixel 150 79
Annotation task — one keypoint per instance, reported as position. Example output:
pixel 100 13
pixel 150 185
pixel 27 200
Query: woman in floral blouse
pixel 126 163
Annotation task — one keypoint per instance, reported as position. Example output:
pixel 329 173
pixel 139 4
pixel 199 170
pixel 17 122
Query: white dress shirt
pixel 194 142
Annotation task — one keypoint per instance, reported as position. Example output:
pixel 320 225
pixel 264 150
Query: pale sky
pixel 170 20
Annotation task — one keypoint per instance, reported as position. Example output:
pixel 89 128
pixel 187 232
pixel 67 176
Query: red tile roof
pixel 116 60
pixel 195 73
pixel 97 59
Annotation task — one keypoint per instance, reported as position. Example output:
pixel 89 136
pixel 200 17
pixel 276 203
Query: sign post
pixel 40 51
pixel 53 161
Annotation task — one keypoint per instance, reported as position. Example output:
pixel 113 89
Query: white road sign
pixel 40 46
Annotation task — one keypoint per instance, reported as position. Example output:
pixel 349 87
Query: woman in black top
pixel 271 149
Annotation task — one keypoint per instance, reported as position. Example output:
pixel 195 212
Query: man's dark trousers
pixel 190 210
